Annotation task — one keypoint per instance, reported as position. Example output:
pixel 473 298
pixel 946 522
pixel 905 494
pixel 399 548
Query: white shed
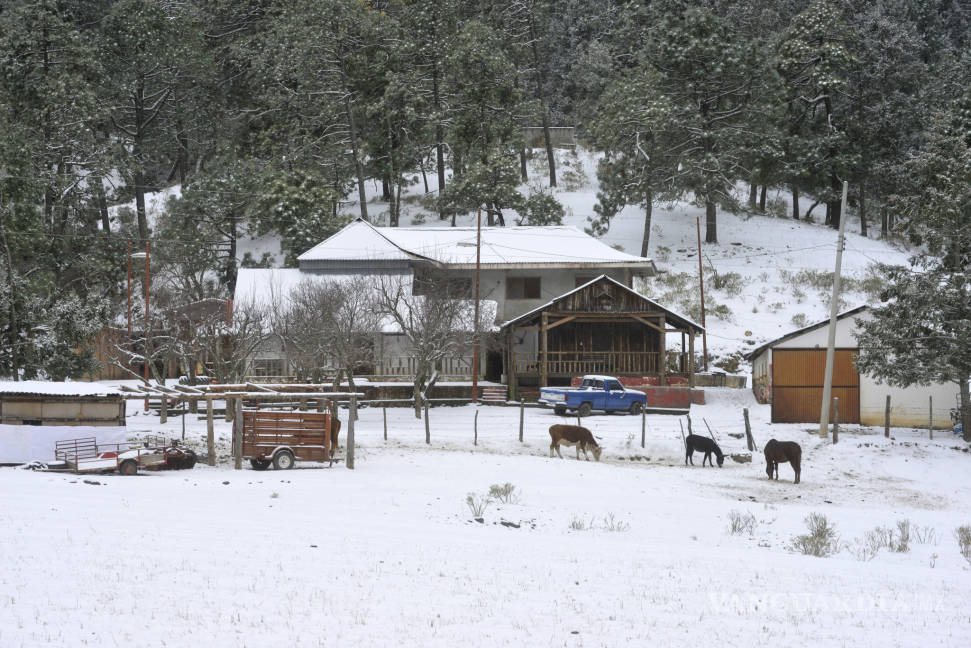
pixel 788 372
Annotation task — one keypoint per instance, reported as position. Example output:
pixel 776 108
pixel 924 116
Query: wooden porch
pixel 603 327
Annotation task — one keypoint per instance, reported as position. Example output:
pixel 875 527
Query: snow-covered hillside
pixel 767 275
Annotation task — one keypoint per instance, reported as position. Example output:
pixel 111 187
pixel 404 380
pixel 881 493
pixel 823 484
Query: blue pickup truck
pixel 594 393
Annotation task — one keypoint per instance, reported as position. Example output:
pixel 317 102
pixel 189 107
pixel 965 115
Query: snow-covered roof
pixel 788 336
pixel 675 316
pixel 271 287
pixel 47 388
pixel 456 246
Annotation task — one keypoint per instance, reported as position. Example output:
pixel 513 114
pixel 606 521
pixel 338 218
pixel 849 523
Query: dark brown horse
pixel 777 452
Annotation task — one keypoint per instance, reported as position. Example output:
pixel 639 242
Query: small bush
pixel 477 504
pixel 579 524
pixel 900 542
pixel 612 524
pixel 925 535
pixel 739 523
pixel 506 493
pixel 274 495
pixel 822 539
pixel 799 320
pixel 963 535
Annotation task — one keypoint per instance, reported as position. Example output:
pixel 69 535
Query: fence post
pixel 351 415
pixel 930 416
pixel 384 411
pixel 836 420
pixel 688 416
pixel 228 402
pixel 475 428
pixel 210 432
pixel 238 434
pixel 522 410
pixel 428 432
pixel 163 412
pixel 749 441
pixel 886 419
pixel 643 424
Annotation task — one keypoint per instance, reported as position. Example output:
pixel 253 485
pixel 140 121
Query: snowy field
pixel 633 550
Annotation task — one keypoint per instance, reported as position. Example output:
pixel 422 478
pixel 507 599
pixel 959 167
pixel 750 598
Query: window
pixel 613 385
pixel 522 288
pixel 582 279
pixel 458 288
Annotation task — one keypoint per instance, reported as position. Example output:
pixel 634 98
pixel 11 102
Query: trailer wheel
pixel 584 409
pixel 128 468
pixel 636 408
pixel 283 460
pixel 259 464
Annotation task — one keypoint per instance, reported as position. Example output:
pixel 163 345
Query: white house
pixel 521 269
pixel 789 373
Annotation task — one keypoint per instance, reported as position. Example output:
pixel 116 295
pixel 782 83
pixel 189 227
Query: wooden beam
pixel 569 318
pixel 661 356
pixel 691 359
pixel 654 326
pixel 544 348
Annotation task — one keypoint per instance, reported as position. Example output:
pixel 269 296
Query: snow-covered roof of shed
pixel 456 246
pixel 812 327
pixel 49 388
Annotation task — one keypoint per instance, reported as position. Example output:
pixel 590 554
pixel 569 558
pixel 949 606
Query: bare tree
pixel 329 327
pixel 230 346
pixel 438 322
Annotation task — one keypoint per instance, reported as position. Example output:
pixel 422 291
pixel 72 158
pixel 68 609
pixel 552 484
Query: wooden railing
pixel 572 363
pixel 406 366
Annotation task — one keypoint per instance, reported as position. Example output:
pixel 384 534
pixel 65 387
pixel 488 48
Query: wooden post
pixel 662 355
pixel 163 412
pixel 238 434
pixel 691 359
pixel 428 432
pixel 184 412
pixel 384 410
pixel 643 424
pixel 210 432
pixel 228 414
pixel 930 416
pixel 522 411
pixel 352 414
pixel 320 404
pixel 681 425
pixel 303 404
pixel 749 441
pixel 705 421
pixel 543 368
pixel 836 420
pixel 511 377
pixel 688 416
pixel 886 419
pixel 475 428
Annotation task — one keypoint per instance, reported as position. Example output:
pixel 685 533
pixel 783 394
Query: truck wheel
pixel 584 409
pixel 128 468
pixel 283 460
pixel 560 410
pixel 259 464
pixel 636 408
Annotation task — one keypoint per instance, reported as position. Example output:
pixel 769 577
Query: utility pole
pixel 475 323
pixel 148 322
pixel 833 312
pixel 701 284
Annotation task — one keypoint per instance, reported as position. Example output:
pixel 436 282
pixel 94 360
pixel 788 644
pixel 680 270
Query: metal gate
pixel 797 385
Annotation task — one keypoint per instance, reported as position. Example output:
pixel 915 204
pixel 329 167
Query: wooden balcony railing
pixel 573 363
pixel 406 366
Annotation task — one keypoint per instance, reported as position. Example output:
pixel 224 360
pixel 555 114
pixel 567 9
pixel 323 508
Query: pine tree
pixel 922 334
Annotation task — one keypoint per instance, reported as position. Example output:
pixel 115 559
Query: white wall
pixel 909 407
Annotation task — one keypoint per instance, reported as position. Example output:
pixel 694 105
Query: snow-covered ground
pixel 633 550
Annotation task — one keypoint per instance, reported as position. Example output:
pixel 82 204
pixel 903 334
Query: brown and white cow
pixel 573 435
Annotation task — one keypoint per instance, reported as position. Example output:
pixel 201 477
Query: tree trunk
pixel 231 271
pixel 13 326
pixel 762 199
pixel 439 143
pixel 711 226
pixel 795 202
pixel 358 166
pixel 966 409
pixel 522 165
pixel 424 177
pixel 884 224
pixel 385 190
pixel 863 209
pixel 810 210
pixel 544 104
pixel 417 395
pixel 753 191
pixel 648 209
